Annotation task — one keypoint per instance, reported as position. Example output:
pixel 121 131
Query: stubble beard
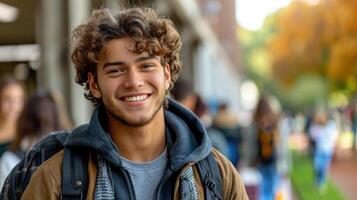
pixel 122 120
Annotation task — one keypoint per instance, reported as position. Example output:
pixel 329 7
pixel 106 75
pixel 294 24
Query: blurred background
pixel 300 56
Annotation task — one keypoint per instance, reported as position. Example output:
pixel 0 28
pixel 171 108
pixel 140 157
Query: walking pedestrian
pixel 266 128
pixel 324 132
pixel 226 123
pixel 11 103
pixel 183 93
pixel 40 116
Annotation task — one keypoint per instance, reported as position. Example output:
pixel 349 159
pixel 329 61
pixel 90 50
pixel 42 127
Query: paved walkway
pixel 344 173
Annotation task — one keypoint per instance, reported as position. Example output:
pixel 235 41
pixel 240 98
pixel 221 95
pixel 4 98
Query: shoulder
pixel 45 183
pixel 225 166
pixel 52 165
pixel 233 187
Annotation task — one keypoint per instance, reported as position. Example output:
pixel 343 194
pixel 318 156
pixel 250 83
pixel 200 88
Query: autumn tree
pixel 316 39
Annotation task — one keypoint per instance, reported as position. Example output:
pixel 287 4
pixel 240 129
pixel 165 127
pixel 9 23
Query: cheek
pixel 109 89
pixel 159 80
pixel 5 105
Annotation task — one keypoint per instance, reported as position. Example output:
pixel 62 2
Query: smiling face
pixel 131 86
pixel 11 102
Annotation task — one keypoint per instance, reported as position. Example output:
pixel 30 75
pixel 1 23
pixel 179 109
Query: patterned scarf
pixel 188 190
pixel 104 187
pixel 105 190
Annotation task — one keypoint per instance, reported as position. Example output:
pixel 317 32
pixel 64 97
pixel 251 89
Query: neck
pixel 139 143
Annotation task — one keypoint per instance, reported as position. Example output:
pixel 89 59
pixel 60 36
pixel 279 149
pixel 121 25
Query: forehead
pixel 12 89
pixel 120 49
pixel 12 92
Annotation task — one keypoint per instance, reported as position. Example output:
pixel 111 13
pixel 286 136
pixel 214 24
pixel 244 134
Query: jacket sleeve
pixel 45 183
pixel 233 187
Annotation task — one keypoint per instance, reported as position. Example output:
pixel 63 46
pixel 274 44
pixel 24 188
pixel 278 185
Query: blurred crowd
pixel 262 150
pixel 25 119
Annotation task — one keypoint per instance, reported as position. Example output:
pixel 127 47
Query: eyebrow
pixel 113 63
pixel 140 59
pixel 144 58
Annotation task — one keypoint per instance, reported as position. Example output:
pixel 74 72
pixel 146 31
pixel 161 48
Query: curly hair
pixel 151 34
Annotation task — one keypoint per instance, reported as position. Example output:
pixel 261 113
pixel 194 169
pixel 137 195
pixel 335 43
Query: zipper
pixel 163 180
pixel 129 183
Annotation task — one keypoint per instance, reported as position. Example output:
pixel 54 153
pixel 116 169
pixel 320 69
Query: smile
pixel 136 98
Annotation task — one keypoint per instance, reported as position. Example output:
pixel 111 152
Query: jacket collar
pixel 187 138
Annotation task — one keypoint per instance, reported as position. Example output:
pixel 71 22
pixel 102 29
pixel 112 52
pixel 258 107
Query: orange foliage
pixel 320 38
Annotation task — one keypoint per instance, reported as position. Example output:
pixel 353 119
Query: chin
pixel 129 120
pixel 138 122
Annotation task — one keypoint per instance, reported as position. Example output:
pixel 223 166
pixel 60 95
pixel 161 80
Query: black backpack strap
pixel 74 174
pixel 210 177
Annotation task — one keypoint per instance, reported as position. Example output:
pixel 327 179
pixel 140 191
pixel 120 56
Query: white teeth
pixel 135 98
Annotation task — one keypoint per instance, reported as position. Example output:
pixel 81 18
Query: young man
pixel 141 145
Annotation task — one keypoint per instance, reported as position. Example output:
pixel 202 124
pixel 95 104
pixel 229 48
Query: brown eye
pixel 115 71
pixel 146 66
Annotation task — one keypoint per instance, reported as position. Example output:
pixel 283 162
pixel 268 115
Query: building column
pixel 50 37
pixel 80 107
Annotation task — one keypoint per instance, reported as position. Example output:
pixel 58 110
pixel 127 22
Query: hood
pixel 187 140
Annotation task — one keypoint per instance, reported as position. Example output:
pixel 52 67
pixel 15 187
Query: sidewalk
pixel 344 173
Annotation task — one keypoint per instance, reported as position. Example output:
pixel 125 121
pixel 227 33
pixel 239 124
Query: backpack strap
pixel 74 174
pixel 210 177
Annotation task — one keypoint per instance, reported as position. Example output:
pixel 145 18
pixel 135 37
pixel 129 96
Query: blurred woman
pixel 11 103
pixel 324 132
pixel 267 133
pixel 41 115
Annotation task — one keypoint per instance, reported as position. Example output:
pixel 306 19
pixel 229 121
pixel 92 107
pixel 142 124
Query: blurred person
pixel 40 116
pixel 286 128
pixel 227 123
pixel 139 144
pixel 308 123
pixel 354 126
pixel 324 132
pixel 183 93
pixel 11 103
pixel 283 163
pixel 299 123
pixel 266 127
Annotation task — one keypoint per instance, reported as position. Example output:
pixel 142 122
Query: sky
pixel 251 13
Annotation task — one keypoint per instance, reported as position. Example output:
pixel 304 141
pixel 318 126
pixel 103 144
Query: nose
pixel 133 79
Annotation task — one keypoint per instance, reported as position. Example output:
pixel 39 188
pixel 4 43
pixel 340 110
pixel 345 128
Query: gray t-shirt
pixel 146 175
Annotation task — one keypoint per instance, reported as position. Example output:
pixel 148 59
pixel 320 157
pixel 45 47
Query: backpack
pixel 74 164
pixel 266 144
pixel 75 177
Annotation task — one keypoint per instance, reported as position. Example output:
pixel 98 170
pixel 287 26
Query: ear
pixel 93 86
pixel 167 74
